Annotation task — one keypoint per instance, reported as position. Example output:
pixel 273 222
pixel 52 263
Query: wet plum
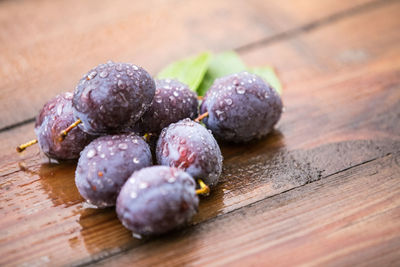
pixel 172 102
pixel 106 163
pixel 190 146
pixel 156 200
pixel 112 97
pixel 56 115
pixel 241 107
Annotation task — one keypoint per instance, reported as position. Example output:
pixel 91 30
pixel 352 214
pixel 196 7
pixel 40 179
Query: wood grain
pixel 351 218
pixel 272 199
pixel 46 46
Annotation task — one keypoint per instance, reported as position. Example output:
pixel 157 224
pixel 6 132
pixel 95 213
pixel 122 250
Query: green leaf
pixel 189 70
pixel 269 75
pixel 220 65
pixel 199 72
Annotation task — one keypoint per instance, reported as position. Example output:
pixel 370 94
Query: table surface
pixel 322 189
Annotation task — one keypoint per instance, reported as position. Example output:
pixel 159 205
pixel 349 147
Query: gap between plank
pixel 16 125
pixel 313 25
pixel 127 248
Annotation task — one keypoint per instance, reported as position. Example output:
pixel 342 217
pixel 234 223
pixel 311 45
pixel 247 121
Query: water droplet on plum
pixel 91 153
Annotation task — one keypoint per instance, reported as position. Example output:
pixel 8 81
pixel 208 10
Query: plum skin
pixel 190 146
pixel 172 102
pixel 112 97
pixel 106 163
pixel 242 107
pixel 55 116
pixel 156 200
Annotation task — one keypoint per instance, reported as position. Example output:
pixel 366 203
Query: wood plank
pixel 341 46
pixel 44 218
pixel 336 56
pixel 46 46
pixel 351 218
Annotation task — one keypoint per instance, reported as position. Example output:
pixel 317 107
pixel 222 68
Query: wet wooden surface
pixel 322 189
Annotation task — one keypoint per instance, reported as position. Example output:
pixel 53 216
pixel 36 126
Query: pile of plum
pixel 126 122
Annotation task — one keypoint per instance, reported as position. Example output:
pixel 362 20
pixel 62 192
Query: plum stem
pixel 202 116
pixel 147 137
pixel 65 132
pixel 22 147
pixel 204 189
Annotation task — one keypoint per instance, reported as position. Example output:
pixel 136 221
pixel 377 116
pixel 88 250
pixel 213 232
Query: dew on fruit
pixel 191 157
pixel 91 75
pixel 103 74
pixel 111 167
pixel 189 146
pixel 251 110
pixel 228 101
pixel 162 215
pixel 158 99
pixel 240 90
pixel 122 146
pixel 91 153
pixel 55 116
pixel 121 84
pixel 169 106
pixel 121 102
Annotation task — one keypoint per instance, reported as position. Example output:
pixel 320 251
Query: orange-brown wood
pixel 351 218
pixel 46 46
pixel 321 189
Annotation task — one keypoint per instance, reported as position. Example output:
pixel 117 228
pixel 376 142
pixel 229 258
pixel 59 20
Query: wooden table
pixel 322 189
